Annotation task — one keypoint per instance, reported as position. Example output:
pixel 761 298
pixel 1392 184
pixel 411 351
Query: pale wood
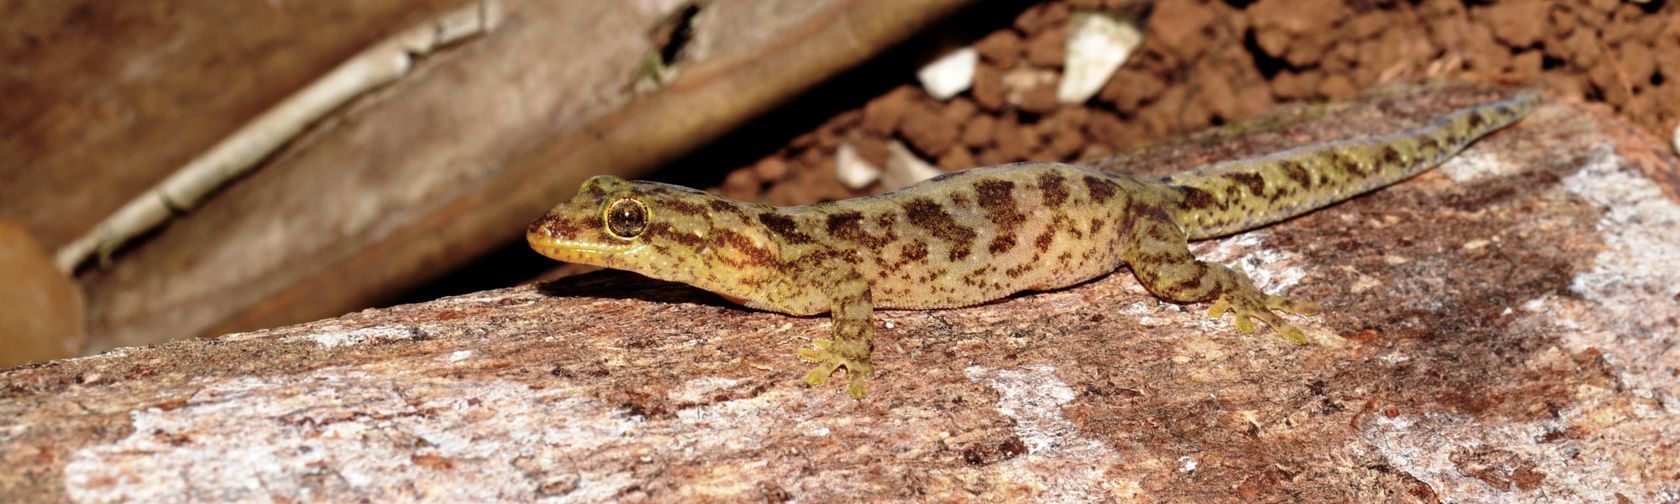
pixel 456 158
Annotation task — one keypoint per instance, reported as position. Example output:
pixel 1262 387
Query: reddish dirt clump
pixel 1206 63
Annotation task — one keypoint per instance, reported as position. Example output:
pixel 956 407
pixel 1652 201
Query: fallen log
pixel 1498 329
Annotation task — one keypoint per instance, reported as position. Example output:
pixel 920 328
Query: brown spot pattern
pixel 848 226
pixel 755 255
pixel 914 251
pixel 1002 243
pixel 681 206
pixel 1045 239
pixel 1293 169
pixel 1197 199
pixel 926 214
pixel 1101 189
pixel 997 197
pixel 1054 188
pixel 1256 184
pixel 720 205
pixel 1390 156
pixel 784 227
pixel 665 231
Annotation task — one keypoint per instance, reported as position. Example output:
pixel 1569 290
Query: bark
pixel 1499 329
pixel 408 181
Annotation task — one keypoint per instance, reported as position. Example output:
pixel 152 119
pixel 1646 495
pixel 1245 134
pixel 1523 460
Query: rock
pixel 1518 23
pixel 978 132
pixel 950 74
pixel 905 168
pixel 926 129
pixel 1097 45
pixel 1048 49
pixel 989 89
pixel 852 170
pixel 1001 48
pixel 882 115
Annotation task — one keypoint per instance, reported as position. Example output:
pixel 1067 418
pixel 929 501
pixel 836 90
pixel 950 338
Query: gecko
pixel 968 237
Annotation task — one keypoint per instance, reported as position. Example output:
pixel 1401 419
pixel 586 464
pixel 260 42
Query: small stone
pixel 958 158
pixel 1676 139
pixel 1129 88
pixel 1177 23
pixel 1048 48
pixel 770 168
pixel 978 132
pixel 989 90
pixel 1104 127
pixel 1039 100
pixel 852 170
pixel 904 168
pixel 1022 80
pixel 1064 142
pixel 873 149
pixel 1338 86
pixel 1637 61
pixel 1289 85
pixel 1012 141
pixel 1517 23
pixel 1041 16
pixel 927 131
pixel 1097 45
pixel 883 114
pixel 959 110
pixel 1527 65
pixel 741 184
pixel 1001 48
pixel 1213 89
pixel 950 74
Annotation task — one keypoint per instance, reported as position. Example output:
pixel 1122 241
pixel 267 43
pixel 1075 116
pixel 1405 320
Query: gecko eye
pixel 626 218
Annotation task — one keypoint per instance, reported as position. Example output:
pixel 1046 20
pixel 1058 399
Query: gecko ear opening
pixel 625 218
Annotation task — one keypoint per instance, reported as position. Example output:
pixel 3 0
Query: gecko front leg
pixel 1159 254
pixel 854 334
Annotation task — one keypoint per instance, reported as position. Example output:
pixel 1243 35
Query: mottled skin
pixel 974 236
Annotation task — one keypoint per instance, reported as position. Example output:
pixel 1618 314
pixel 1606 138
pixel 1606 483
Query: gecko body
pixel 968 237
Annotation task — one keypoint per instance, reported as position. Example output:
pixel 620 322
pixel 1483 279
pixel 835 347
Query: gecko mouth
pixel 591 253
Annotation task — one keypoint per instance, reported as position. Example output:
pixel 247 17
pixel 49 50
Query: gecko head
pixel 655 229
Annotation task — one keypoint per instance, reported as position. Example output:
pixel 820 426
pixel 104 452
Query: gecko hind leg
pixel 1163 263
pixel 852 343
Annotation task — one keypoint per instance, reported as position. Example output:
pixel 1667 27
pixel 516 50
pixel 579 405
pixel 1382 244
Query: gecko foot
pixel 1246 302
pixel 829 356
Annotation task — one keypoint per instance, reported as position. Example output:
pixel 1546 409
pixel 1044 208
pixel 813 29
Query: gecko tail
pixel 1233 196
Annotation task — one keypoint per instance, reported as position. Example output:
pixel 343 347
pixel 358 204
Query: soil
pixel 1207 63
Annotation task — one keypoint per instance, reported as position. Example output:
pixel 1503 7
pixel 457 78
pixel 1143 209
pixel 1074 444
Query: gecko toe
pixel 1290 332
pixel 1248 304
pixel 1220 306
pixel 1303 308
pixel 828 360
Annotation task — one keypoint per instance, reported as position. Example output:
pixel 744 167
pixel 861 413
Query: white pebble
pixel 904 168
pixel 1097 45
pixel 854 172
pixel 950 74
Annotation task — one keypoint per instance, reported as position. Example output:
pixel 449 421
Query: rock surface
pixel 1500 329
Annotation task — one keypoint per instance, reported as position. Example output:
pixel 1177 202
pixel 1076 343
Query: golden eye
pixel 626 218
